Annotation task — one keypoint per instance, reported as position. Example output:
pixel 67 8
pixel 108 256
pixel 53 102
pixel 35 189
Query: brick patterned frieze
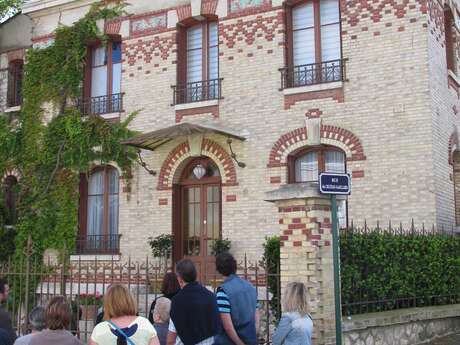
pixel 436 19
pixel 453 145
pixel 247 7
pixel 112 27
pixel 335 94
pixel 145 50
pixel 172 166
pixel 248 30
pixel 208 6
pixel 184 12
pixel 298 138
pixel 213 110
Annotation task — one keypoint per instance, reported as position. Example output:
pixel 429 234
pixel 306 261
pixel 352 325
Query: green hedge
pixel 386 270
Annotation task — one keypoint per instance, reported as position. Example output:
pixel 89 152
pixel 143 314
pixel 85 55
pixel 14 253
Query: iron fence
pixel 204 90
pixel 34 282
pixel 101 104
pixel 392 267
pixel 314 73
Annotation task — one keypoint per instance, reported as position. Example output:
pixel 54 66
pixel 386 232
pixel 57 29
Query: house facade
pixel 239 97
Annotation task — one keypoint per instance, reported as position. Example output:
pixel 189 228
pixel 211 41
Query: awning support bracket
pixel 233 154
pixel 141 162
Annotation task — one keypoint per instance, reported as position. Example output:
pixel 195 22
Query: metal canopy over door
pixel 200 213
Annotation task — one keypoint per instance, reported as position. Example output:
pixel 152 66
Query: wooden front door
pixel 200 201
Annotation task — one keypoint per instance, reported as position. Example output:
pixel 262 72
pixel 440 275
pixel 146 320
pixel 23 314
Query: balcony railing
pixel 199 91
pixel 98 244
pixel 102 104
pixel 311 74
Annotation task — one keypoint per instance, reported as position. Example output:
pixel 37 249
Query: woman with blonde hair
pixel 121 325
pixel 295 326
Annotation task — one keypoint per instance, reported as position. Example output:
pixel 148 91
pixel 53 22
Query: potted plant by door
pixel 219 246
pixel 89 304
pixel 161 246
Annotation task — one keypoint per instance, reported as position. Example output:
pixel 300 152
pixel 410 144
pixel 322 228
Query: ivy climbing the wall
pixel 50 143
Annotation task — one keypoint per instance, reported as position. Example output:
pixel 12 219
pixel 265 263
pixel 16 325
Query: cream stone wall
pixel 395 102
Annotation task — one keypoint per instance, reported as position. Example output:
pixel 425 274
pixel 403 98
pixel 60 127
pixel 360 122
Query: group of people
pixel 186 314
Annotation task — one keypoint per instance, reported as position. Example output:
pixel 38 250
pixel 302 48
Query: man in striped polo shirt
pixel 237 302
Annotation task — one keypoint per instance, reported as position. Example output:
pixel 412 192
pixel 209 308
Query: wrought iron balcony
pixel 311 74
pixel 102 104
pixel 98 244
pixel 199 91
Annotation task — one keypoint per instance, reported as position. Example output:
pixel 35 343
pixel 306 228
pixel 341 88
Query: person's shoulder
pixel 142 321
pixel 24 340
pixel 101 327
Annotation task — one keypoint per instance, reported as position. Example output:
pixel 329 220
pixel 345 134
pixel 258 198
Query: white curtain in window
pixel 306 168
pixel 194 54
pixel 330 30
pixel 303 26
pixel 95 204
pixel 335 161
pixel 99 72
pixel 114 182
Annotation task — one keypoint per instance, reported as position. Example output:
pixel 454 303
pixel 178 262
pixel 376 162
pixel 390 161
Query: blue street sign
pixel 332 183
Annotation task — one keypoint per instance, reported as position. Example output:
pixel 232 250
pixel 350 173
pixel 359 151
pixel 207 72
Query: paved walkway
pixel 449 340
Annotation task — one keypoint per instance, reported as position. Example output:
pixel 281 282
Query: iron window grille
pixel 102 104
pixel 205 90
pixel 98 244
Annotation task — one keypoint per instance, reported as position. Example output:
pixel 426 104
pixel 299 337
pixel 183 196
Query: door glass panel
pixel 213 216
pixel 192 221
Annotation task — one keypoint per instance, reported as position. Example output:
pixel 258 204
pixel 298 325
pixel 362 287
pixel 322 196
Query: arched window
pixel 99 211
pixel 10 192
pixel 305 165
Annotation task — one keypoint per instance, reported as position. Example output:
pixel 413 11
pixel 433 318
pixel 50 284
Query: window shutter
pixel 303 34
pixel 181 55
pixel 330 30
pixel 195 53
pixel 10 91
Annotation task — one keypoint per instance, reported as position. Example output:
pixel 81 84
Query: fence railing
pixel 102 104
pixel 98 244
pixel 34 282
pixel 204 90
pixel 314 73
pixel 392 267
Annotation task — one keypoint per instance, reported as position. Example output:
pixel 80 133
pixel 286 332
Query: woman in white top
pixel 121 325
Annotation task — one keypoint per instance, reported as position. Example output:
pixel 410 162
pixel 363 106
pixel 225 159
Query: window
pixel 314 44
pixel 198 77
pixel 306 165
pixel 99 210
pixel 10 191
pixel 451 58
pixel 15 74
pixel 104 79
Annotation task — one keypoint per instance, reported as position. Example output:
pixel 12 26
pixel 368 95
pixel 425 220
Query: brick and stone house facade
pixel 297 87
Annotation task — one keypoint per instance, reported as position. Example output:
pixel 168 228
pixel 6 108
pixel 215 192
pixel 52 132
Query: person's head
pixel 226 264
pixel 170 284
pixel 58 313
pixel 4 290
pixel 295 298
pixel 161 310
pixel 37 319
pixel 118 302
pixel 186 272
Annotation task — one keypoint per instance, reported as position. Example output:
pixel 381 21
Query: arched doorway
pixel 197 216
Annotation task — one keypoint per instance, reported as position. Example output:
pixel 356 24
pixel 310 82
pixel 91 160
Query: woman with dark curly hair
pixel 169 288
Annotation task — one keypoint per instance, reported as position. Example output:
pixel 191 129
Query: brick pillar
pixel 306 252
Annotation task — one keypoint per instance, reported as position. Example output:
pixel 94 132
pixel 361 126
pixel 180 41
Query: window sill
pixel 192 105
pixel 98 257
pixel 312 88
pixel 13 109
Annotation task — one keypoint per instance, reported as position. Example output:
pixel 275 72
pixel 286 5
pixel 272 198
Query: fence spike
pixel 365 226
pixel 378 225
pixel 389 225
pixel 412 226
pixel 400 228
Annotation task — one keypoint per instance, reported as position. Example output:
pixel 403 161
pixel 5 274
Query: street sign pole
pixel 335 253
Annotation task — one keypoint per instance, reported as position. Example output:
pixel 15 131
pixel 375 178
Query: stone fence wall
pixel 401 327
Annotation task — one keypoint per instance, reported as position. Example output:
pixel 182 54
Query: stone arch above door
pixel 178 157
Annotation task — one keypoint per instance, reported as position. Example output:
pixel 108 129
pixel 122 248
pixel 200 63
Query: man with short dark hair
pixel 194 317
pixel 5 319
pixel 237 301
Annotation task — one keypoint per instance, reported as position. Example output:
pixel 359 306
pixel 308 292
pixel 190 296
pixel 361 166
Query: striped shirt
pixel 223 302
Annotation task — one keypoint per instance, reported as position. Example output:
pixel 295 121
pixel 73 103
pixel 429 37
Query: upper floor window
pixel 103 80
pixel 451 58
pixel 314 43
pixel 10 192
pixel 198 67
pixel 99 211
pixel 15 74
